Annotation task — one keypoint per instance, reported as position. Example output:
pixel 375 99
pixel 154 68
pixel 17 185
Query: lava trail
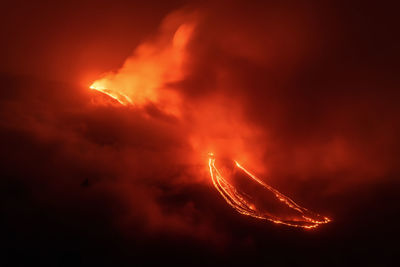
pixel 243 203
pixel 147 79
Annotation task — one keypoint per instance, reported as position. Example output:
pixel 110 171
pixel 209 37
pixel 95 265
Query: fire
pixel 242 203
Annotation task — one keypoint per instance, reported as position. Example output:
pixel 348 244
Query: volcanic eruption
pixel 148 78
pixel 200 133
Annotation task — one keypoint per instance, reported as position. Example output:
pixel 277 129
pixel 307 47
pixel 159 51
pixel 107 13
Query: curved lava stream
pixel 242 204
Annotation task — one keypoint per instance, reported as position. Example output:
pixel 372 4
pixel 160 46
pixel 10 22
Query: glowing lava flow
pixel 241 202
pixel 120 97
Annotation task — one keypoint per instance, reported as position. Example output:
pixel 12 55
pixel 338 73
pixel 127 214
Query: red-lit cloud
pixel 304 100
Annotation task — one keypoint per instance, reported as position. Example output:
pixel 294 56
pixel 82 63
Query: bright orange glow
pixel 120 97
pixel 242 203
pixel 148 75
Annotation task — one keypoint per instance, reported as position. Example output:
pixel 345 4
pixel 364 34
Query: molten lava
pixel 120 97
pixel 151 76
pixel 242 202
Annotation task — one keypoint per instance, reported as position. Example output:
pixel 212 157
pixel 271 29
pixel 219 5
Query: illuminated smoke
pixel 146 76
pixel 216 123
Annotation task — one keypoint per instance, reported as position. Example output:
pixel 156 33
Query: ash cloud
pixel 312 89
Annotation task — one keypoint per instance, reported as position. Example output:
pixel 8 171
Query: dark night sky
pixel 87 184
